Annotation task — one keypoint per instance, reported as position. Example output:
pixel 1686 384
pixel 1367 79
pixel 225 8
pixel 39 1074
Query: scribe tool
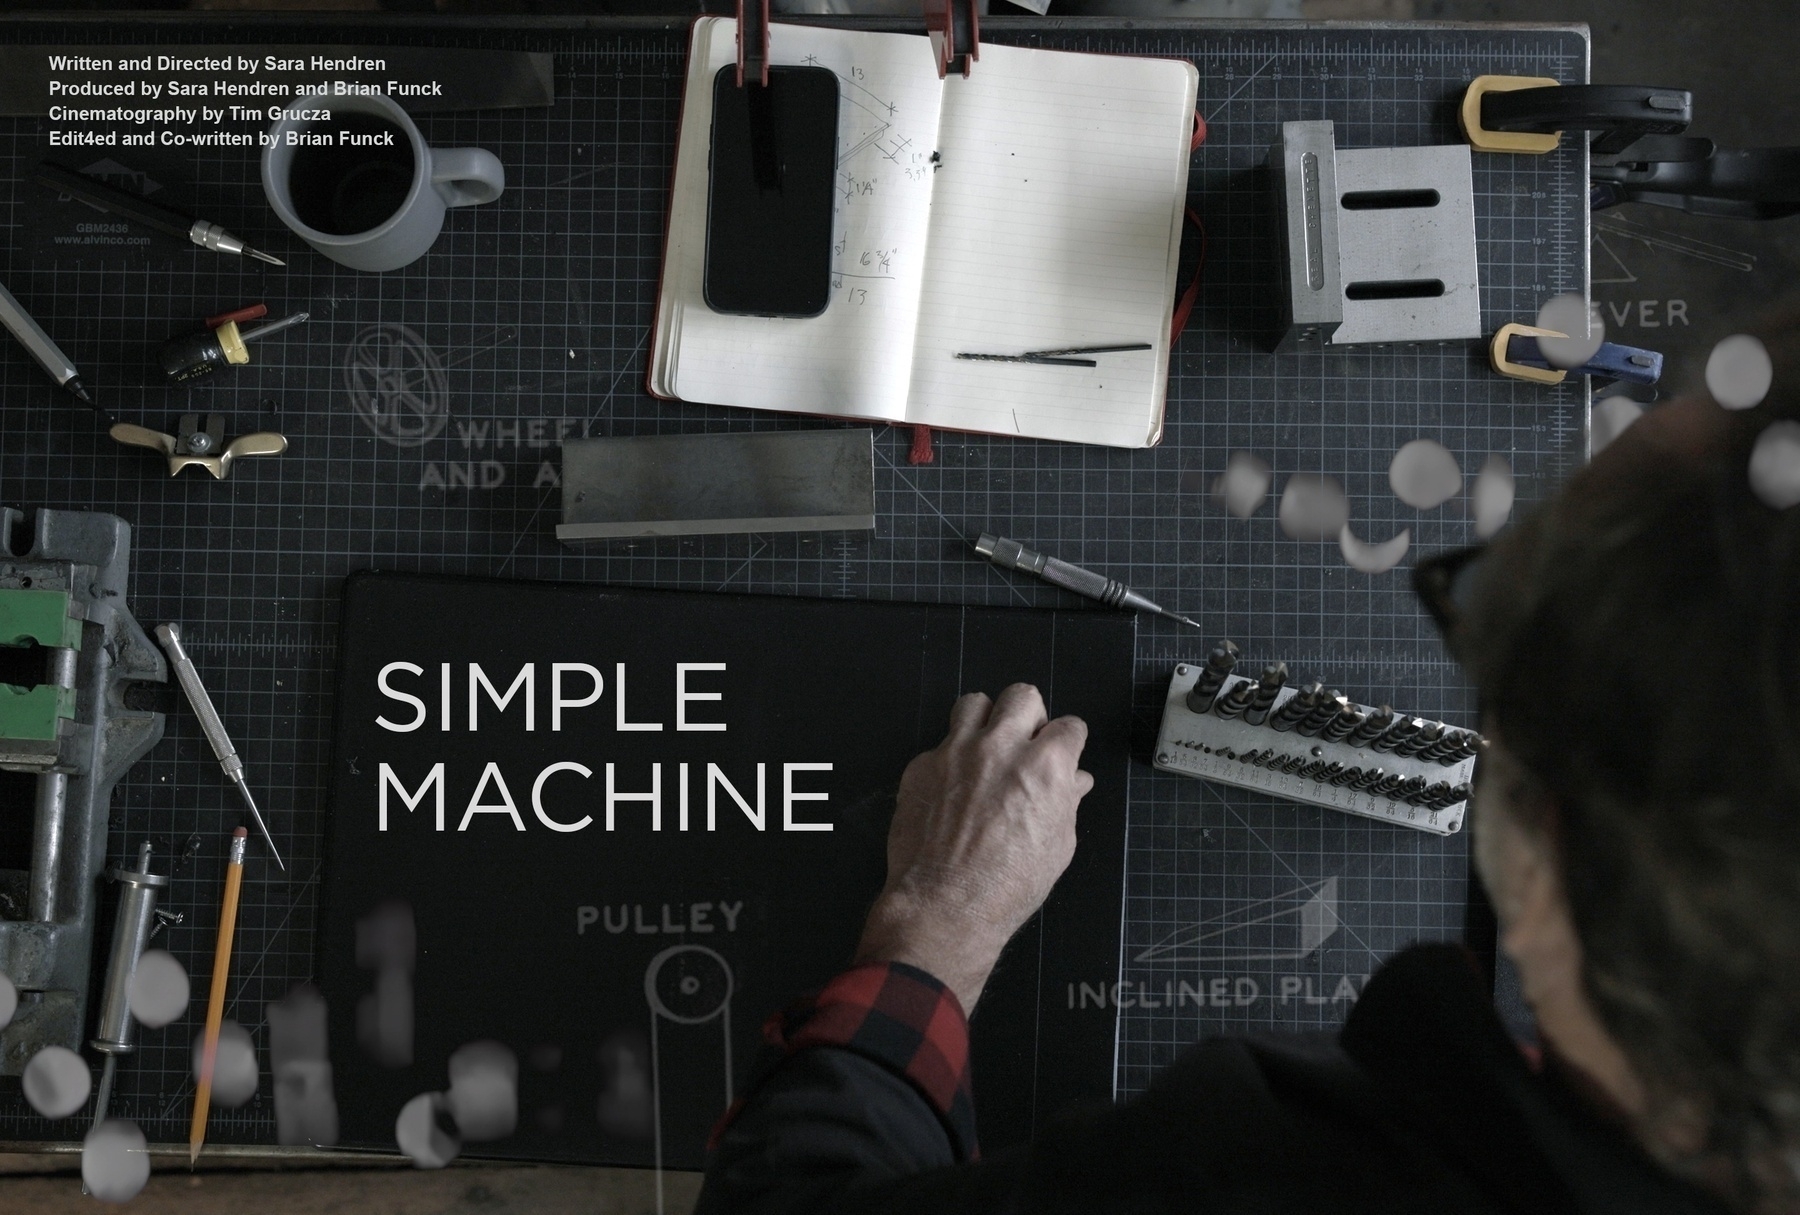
pixel 1011 555
pixel 125 205
pixel 211 726
pixel 37 343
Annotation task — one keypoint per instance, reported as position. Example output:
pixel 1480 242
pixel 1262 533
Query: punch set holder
pixel 1314 746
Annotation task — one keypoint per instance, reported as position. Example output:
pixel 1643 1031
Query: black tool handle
pixel 1620 113
pixel 112 199
pixel 192 356
pixel 1691 174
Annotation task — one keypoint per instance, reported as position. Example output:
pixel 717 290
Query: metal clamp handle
pixel 1530 113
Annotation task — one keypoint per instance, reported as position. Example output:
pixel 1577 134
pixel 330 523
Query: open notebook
pixel 1034 205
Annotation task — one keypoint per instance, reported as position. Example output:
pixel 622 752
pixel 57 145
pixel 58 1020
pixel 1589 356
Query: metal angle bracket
pixel 687 485
pixel 1378 244
pixel 86 651
pixel 1304 168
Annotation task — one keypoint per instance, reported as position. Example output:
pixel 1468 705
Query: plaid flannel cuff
pixel 898 1016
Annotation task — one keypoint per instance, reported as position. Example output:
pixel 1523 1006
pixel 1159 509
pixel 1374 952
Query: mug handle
pixel 466 176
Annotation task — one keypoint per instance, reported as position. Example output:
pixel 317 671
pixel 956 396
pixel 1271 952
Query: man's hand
pixel 984 825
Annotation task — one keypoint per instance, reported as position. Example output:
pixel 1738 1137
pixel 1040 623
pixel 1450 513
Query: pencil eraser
pixel 241 833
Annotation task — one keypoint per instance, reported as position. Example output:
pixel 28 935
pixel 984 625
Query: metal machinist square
pixel 1406 245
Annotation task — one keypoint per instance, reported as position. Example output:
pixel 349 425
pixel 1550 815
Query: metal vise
pixel 68 650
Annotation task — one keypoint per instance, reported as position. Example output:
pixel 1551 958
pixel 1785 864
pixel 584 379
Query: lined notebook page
pixel 854 358
pixel 1056 222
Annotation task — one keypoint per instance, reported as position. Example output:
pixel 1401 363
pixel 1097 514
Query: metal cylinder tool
pixel 132 926
pixel 1011 555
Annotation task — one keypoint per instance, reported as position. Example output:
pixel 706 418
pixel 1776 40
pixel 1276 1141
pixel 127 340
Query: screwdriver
pixel 211 726
pixel 193 356
pixel 1011 555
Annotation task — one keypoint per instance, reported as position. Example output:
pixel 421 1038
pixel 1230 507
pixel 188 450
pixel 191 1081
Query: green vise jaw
pixel 41 617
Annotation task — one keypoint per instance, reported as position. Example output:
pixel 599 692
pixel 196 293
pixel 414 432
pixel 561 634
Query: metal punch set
pixel 1311 744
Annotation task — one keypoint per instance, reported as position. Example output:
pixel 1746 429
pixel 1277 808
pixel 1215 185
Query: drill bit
pixel 1212 677
pixel 1402 729
pixel 1430 736
pixel 1297 707
pixel 1235 701
pixel 212 727
pixel 1371 726
pixel 1348 718
pixel 1274 675
pixel 1446 745
pixel 1334 702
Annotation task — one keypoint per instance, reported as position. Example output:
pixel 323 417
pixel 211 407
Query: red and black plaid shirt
pixel 898 1016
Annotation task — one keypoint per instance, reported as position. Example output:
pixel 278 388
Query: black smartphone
pixel 768 216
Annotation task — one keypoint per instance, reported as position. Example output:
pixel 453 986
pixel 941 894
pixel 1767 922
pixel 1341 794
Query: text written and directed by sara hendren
pixel 220 101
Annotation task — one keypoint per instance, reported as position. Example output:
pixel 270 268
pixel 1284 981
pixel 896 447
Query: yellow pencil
pixel 215 1004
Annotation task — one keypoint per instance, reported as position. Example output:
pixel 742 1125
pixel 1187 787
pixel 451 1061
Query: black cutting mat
pixel 530 319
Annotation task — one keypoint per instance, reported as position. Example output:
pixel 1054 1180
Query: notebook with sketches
pixel 1035 205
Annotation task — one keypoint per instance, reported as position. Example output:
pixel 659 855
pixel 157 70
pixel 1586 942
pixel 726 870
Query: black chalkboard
pixel 547 939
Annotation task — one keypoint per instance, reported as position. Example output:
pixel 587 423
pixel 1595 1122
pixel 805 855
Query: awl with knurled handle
pixel 1011 555
pixel 211 726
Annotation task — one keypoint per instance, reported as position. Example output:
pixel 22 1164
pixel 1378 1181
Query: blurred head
pixel 1636 644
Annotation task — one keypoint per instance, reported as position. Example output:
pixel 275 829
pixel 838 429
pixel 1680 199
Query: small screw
pixel 1182 669
pixel 1318 751
pixel 1162 759
pixel 199 442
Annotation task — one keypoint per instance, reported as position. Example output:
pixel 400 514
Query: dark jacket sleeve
pixel 863 1083
pixel 861 1108
pixel 1422 1107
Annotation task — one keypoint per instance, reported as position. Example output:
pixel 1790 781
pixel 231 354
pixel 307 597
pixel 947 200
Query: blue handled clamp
pixel 1515 352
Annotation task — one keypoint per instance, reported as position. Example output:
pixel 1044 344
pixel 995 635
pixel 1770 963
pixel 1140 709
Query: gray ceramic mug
pixel 328 201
